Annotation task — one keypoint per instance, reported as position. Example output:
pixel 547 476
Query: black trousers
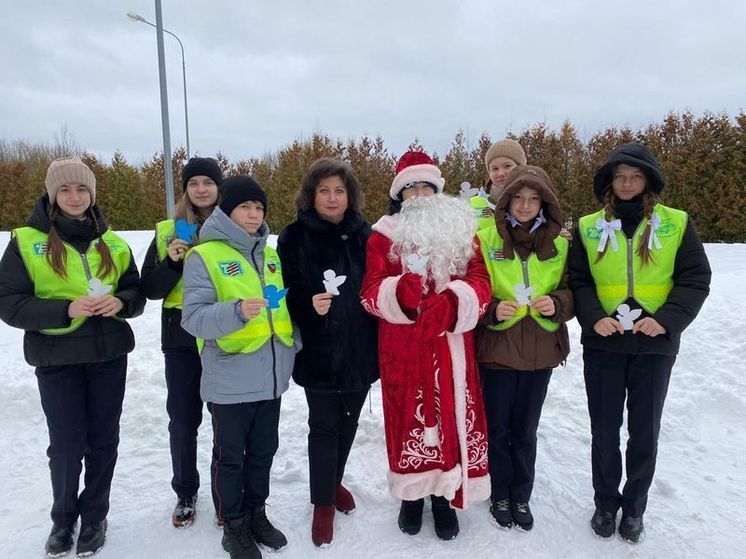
pixel 82 404
pixel 642 380
pixel 244 443
pixel 184 407
pixel 332 421
pixel 513 402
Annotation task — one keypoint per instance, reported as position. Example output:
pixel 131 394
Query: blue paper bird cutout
pixel 274 296
pixel 185 231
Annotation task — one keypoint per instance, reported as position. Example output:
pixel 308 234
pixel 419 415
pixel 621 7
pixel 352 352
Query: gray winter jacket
pixel 232 378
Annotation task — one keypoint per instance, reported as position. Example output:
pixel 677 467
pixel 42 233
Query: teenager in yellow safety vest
pixel 162 279
pixel 639 275
pixel 70 283
pixel 235 305
pixel 522 335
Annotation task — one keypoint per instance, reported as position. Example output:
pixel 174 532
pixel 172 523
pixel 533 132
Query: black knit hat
pixel 634 155
pixel 201 166
pixel 240 189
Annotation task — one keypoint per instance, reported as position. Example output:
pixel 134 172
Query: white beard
pixel 440 227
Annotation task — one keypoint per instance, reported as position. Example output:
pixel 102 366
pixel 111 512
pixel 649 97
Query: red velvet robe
pixel 436 433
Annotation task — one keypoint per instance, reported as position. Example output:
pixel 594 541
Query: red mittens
pixel 437 314
pixel 409 291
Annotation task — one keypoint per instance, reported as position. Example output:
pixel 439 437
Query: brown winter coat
pixel 527 346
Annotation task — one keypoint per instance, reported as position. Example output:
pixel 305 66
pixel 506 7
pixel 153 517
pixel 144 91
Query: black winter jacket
pixel 158 279
pixel 340 349
pixel 691 279
pixel 98 339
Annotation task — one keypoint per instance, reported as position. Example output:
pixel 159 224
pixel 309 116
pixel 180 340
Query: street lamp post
pixel 138 18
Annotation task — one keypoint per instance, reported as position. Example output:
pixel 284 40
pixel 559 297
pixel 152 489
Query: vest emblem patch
pixel 497 254
pixel 41 248
pixel 231 268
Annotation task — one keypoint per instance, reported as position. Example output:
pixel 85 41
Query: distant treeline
pixel 703 160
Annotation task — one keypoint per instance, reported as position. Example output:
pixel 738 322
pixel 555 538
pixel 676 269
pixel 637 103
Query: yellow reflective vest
pixel 164 232
pixel 482 211
pixel 33 246
pixel 235 278
pixel 505 275
pixel 620 274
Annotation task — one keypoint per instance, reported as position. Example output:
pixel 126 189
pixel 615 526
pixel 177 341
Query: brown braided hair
pixel 57 254
pixel 649 200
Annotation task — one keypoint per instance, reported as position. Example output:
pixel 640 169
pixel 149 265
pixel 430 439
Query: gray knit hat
pixel 68 170
pixel 506 148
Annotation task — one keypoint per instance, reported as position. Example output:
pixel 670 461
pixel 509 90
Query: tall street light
pixel 139 18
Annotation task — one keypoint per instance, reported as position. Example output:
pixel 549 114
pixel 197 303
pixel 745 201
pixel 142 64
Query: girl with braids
pixel 70 282
pixel 162 274
pixel 639 276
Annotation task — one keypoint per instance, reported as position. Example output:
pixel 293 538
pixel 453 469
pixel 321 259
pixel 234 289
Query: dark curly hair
pixel 324 168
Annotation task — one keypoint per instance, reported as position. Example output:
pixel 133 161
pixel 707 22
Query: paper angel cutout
pixel 417 264
pixel 185 231
pixel 97 289
pixel 627 316
pixel 523 293
pixel 332 281
pixel 274 296
pixel 467 191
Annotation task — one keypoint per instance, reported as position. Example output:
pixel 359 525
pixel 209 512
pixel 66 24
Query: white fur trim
pixel 431 437
pixel 468 305
pixel 411 487
pixel 480 488
pixel 417 173
pixel 458 366
pixel 387 303
pixel 386 225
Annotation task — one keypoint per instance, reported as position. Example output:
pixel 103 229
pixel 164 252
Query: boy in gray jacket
pixel 234 305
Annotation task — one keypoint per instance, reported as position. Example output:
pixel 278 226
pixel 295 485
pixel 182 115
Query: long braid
pixel 649 200
pixel 609 200
pixel 56 252
pixel 107 262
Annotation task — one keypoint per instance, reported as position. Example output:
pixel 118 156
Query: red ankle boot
pixel 322 526
pixel 344 501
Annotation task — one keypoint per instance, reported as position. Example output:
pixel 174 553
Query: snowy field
pixel 696 506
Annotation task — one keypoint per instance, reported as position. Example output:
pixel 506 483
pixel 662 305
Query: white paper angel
pixel 467 191
pixel 332 281
pixel 523 293
pixel 417 264
pixel 627 316
pixel 97 289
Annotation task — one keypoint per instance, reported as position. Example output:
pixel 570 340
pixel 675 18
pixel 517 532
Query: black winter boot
pixel 410 516
pixel 631 529
pixel 500 511
pixel 60 540
pixel 446 522
pixel 238 541
pixel 522 516
pixel 264 532
pixel 91 539
pixel 603 523
pixel 184 512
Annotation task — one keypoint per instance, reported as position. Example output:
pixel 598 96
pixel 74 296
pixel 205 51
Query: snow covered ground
pixel 696 506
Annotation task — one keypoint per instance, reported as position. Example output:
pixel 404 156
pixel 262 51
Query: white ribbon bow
pixel 653 239
pixel 608 233
pixel 540 220
pixel 513 221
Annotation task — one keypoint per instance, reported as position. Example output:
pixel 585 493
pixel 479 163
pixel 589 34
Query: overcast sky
pixel 261 73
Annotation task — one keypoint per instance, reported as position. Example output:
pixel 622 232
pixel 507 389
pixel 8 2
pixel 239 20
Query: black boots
pixel 60 540
pixel 631 529
pixel 603 523
pixel 410 516
pixel 444 517
pixel 500 511
pixel 237 539
pixel 446 523
pixel 522 516
pixel 263 531
pixel 184 512
pixel 91 539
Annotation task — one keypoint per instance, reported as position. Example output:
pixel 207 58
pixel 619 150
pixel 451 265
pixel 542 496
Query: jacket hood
pixel 220 227
pixel 635 155
pixel 536 178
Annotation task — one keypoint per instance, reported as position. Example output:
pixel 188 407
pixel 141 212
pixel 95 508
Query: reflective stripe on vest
pixel 482 211
pixel 235 278
pixel 620 274
pixel 164 233
pixel 33 244
pixel 543 276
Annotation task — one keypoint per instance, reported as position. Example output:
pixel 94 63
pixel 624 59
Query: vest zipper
pixel 630 269
pixel 260 272
pixel 524 266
